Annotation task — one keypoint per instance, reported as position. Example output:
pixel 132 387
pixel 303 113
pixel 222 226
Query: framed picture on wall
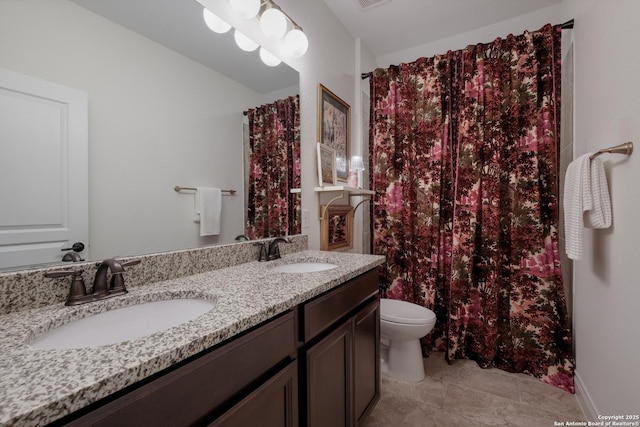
pixel 336 228
pixel 326 165
pixel 334 128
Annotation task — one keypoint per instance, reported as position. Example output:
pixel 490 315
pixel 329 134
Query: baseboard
pixel 584 399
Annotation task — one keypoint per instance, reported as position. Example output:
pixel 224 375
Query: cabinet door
pixel 366 356
pixel 274 404
pixel 329 380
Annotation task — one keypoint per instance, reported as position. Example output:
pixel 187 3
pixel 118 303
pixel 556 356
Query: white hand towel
pixel 577 199
pixel 208 210
pixel 600 214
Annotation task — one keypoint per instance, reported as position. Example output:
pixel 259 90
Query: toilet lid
pixel 405 312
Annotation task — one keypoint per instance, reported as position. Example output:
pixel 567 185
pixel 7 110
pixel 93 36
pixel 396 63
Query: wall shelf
pixel 344 191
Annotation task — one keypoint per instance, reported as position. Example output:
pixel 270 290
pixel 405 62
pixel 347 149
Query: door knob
pixel 76 247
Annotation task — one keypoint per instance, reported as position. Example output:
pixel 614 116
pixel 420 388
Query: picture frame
pixel 336 228
pixel 334 128
pixel 326 165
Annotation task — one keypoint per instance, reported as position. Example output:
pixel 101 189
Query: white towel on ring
pixel 577 199
pixel 208 210
pixel 600 214
pixel 586 201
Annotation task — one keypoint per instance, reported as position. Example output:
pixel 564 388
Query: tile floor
pixel 463 394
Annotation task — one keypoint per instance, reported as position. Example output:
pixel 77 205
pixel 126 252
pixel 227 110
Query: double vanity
pixel 287 342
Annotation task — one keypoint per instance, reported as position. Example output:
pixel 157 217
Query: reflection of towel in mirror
pixel 586 201
pixel 208 210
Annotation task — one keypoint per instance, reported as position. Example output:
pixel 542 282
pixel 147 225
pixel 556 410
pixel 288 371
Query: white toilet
pixel 402 324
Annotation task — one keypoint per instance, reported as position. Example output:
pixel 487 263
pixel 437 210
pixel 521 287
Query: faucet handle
pixel 130 262
pixel 59 273
pixel 77 291
pixel 263 251
pixel 117 278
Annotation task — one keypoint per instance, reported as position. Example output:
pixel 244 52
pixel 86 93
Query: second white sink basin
pixel 123 324
pixel 304 267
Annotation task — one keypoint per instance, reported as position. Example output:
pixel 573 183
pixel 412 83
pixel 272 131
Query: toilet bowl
pixel 402 324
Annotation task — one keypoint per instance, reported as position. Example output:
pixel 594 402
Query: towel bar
pixel 178 188
pixel 626 148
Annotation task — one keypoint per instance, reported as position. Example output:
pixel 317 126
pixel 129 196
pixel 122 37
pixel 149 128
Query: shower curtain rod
pixel 566 26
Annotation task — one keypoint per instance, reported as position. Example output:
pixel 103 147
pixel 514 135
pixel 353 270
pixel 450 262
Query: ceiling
pixel 388 26
pixel 384 26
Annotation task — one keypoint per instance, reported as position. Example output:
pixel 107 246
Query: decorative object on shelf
pixel 274 23
pixel 326 165
pixel 336 228
pixel 343 191
pixel 356 166
pixel 334 127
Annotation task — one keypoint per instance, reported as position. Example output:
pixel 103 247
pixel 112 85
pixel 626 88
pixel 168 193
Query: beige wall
pixel 607 282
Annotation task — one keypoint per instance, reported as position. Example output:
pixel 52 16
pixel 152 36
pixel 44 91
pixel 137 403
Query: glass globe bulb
pixel 296 43
pixel 244 42
pixel 214 22
pixel 273 23
pixel 246 8
pixel 269 58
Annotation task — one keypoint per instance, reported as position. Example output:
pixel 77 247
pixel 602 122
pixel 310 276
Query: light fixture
pixel 355 167
pixel 296 42
pixel 273 22
pixel 214 22
pixel 356 163
pixel 269 58
pixel 247 9
pixel 244 42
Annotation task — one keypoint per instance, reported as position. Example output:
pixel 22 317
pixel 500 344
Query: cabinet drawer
pixel 273 404
pixel 193 392
pixel 328 308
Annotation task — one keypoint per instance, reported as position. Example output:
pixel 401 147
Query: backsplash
pixel 27 289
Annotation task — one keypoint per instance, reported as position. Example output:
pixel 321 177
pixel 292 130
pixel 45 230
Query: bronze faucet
pixel 78 291
pixel 274 251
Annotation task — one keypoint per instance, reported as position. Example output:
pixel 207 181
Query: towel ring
pixel 626 148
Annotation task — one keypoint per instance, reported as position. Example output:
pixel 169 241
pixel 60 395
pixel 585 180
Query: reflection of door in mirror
pixel 274 169
pixel 336 227
pixel 43 170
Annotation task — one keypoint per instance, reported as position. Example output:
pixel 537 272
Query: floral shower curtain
pixel 464 163
pixel 274 169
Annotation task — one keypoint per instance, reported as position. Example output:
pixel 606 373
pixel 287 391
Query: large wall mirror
pixel 166 98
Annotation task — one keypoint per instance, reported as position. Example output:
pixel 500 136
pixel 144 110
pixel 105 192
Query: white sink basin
pixel 123 324
pixel 304 267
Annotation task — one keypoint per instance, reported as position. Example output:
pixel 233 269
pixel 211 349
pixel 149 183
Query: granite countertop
pixel 40 386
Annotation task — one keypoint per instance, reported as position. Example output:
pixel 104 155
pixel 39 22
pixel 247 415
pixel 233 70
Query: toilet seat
pixel 397 311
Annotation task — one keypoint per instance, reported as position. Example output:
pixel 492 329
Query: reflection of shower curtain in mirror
pixel 274 169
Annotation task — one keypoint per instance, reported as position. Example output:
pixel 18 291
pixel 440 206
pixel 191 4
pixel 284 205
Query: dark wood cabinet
pixel 200 390
pixel 316 365
pixel 273 404
pixel 366 357
pixel 329 382
pixel 343 362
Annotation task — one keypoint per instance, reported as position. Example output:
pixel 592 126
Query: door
pixel 43 170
